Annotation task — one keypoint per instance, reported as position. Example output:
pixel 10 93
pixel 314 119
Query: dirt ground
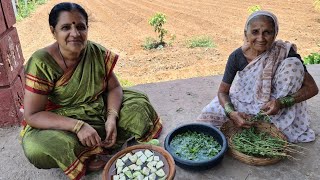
pixel 179 102
pixel 122 26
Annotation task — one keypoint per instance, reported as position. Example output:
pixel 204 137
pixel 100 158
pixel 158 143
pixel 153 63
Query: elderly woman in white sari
pixel 266 76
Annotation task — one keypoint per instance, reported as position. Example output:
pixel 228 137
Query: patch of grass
pixel 201 41
pixel 24 10
pixel 253 9
pixel 313 58
pixel 124 82
pixel 150 43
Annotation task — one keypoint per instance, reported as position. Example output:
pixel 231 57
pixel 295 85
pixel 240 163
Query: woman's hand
pixel 113 104
pixel 239 119
pixel 88 136
pixel 272 107
pixel 111 132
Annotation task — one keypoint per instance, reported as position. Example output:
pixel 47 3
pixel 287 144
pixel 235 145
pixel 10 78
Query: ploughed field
pixel 122 26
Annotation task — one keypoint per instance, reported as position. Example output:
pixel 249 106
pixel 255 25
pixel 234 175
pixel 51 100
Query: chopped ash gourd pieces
pixel 156 158
pixel 126 157
pixel 148 153
pixel 119 163
pixel 141 165
pixel 133 158
pixel 159 164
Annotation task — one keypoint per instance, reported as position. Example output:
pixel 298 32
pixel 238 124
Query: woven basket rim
pixel 229 129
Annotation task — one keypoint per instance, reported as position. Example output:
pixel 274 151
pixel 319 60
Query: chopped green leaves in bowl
pixel 192 145
pixel 196 146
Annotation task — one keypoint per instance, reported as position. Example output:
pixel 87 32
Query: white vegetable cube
pixel 152 176
pixel 125 158
pixel 125 169
pixel 139 162
pixel 146 178
pixel 132 167
pixel 119 163
pixel 160 173
pixel 153 169
pixel 149 165
pixel 145 171
pixel 152 163
pixel 156 158
pixel 119 169
pixel 128 174
pixel 139 153
pixel 140 177
pixel 148 153
pixel 121 175
pixel 138 168
pixel 133 158
pixel 159 164
pixel 129 154
pixel 136 174
pixel 150 159
pixel 123 178
pixel 143 158
pixel 116 177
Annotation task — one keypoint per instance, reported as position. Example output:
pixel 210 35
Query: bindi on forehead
pixel 73 22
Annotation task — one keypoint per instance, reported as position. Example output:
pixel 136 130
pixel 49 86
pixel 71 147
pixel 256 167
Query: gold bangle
pixel 78 126
pixel 112 112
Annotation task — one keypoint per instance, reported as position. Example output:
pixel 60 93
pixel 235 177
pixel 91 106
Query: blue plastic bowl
pixel 201 128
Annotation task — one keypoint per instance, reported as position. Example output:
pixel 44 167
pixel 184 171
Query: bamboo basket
pixel 229 130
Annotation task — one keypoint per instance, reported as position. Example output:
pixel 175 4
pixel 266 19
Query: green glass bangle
pixel 228 108
pixel 286 101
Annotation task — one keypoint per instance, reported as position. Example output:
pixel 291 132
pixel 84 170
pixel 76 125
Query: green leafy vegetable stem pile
pixel 261 144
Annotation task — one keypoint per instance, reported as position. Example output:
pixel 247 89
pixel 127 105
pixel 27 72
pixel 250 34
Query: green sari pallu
pixel 79 93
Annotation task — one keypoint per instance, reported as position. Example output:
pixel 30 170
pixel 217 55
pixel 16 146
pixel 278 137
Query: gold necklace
pixel 62 57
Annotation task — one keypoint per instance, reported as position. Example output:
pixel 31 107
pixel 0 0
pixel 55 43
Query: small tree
pixel 157 21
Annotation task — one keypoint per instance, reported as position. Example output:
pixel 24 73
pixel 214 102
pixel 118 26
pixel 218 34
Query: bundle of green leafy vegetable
pixel 195 146
pixel 260 117
pixel 261 144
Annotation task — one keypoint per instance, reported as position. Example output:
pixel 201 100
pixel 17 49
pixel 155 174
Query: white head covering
pixel 264 13
pixel 246 45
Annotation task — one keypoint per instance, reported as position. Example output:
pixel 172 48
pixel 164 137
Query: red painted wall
pixel 12 78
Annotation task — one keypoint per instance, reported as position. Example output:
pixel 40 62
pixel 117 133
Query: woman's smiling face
pixel 71 31
pixel 260 34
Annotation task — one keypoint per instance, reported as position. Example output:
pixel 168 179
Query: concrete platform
pixel 179 102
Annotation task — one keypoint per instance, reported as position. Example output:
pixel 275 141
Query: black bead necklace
pixel 62 57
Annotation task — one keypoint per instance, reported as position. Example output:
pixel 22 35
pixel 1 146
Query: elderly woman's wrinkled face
pixel 71 31
pixel 260 34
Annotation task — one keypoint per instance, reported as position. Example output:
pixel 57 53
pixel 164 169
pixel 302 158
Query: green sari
pixel 80 93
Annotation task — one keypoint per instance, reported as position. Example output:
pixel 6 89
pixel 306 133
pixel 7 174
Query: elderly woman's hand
pixel 88 136
pixel 111 130
pixel 239 119
pixel 272 107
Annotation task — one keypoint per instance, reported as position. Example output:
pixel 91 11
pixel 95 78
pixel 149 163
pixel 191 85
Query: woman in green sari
pixel 74 106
